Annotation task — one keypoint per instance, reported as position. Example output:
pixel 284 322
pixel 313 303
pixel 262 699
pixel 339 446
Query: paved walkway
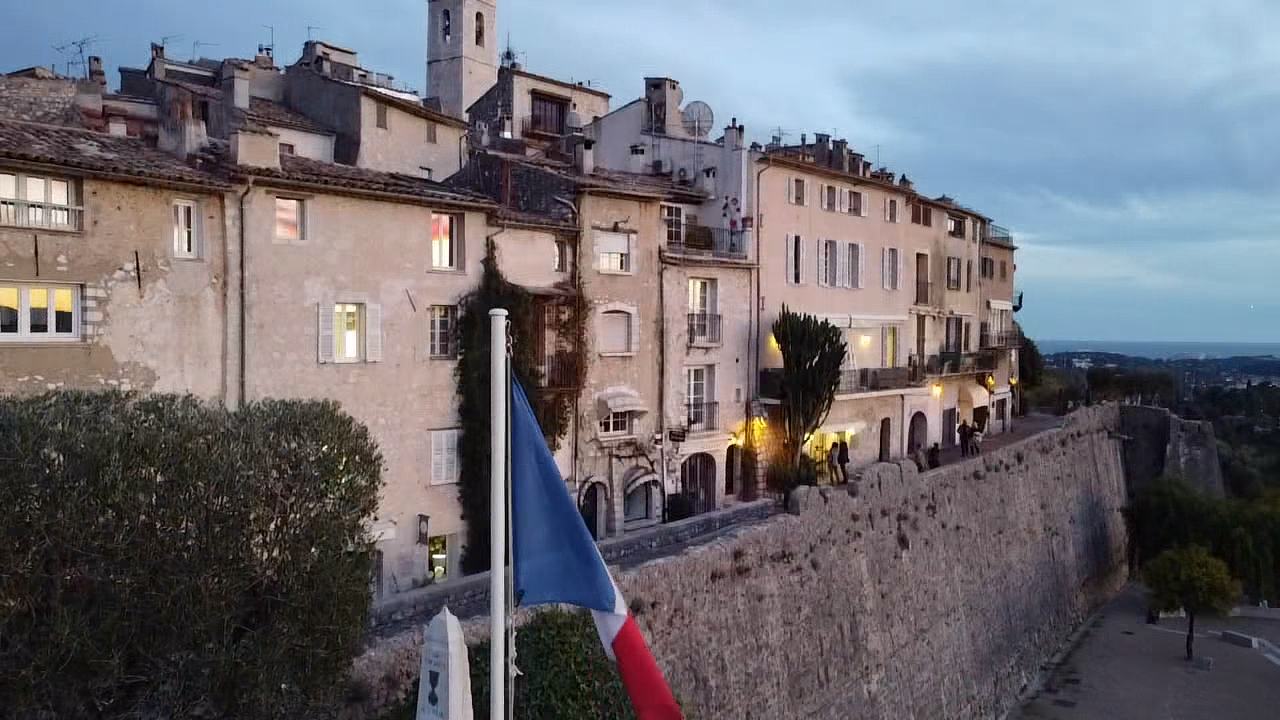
pixel 1023 428
pixel 1125 669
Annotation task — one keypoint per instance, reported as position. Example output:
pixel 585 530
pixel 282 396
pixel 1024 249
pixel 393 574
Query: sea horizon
pixel 1163 350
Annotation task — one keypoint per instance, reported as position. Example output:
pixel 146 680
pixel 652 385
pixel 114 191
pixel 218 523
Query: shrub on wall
pixel 167 558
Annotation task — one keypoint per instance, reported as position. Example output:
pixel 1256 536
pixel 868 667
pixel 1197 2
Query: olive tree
pixel 1193 580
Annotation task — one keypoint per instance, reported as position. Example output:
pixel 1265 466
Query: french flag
pixel 556 561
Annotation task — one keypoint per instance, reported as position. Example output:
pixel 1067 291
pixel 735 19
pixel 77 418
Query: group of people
pixel 838 463
pixel 970 438
pixel 970 445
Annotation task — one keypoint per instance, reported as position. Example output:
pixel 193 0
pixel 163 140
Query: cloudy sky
pixel 1130 145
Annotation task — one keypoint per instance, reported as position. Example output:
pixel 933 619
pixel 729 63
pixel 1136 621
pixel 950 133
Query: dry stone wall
pixel 916 596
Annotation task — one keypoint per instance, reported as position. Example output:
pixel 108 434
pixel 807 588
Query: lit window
pixel 290 224
pixel 438 557
pixel 348 332
pixel 39 202
pixel 444 456
pixel 186 241
pixel 30 313
pixel 562 256
pixel 444 242
pixel 443 319
pixel 618 423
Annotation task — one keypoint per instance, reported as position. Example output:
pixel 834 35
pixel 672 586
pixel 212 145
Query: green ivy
pixel 554 409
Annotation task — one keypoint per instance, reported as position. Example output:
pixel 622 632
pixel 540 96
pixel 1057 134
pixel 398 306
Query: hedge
pixel 165 558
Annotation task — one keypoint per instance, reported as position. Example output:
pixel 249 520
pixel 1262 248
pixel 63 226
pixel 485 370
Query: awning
pixel 620 400
pixel 978 395
pixel 1000 305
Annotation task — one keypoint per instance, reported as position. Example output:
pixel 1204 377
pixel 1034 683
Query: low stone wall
pixel 910 595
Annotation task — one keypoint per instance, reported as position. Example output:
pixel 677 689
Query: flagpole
pixel 498 381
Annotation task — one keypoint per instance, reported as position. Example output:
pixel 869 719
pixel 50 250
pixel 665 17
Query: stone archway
pixel 698 483
pixel 917 433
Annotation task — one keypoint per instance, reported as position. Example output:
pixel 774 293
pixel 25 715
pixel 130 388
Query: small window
pixel 892 268
pixel 616 333
pixel 382 115
pixel 431 132
pixel 547 114
pixel 562 256
pixel 988 268
pixel 444 456
pixel 426 172
pixel 795 260
pixel 855 202
pixel 290 220
pixel 613 251
pixel 33 313
pixel 673 218
pixel 797 191
pixel 443 320
pixel 186 221
pixel 438 556
pixel 286 149
pixel 479 29
pixel 855 266
pixel 953 273
pixel 446 26
pixel 445 245
pixel 829 264
pixel 1004 270
pixel 348 333
pixel 616 424
pixel 892 215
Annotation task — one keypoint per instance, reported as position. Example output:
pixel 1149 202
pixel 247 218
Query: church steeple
pixel 462 51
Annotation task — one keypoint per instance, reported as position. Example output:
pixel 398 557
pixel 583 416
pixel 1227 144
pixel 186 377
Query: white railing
pixel 45 216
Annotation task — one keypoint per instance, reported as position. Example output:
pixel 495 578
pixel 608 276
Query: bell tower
pixel 462 52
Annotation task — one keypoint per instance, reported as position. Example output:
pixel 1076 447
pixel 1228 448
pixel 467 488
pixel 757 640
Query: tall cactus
pixel 813 352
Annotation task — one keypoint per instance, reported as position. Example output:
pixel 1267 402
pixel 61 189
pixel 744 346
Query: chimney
pixel 96 73
pixel 255 149
pixel 638 159
pixel 822 149
pixel 157 51
pixel 235 82
pixel 840 155
pixel 116 126
pixel 584 160
pixel 263 58
pixel 732 141
pixel 804 139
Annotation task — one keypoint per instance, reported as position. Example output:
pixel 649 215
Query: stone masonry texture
pixel 906 596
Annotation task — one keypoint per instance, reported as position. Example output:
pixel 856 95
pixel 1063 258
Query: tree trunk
pixel 1191 632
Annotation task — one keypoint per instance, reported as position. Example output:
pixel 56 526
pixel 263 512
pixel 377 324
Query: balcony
pixel 702 417
pixel 559 371
pixel 540 126
pixel 41 216
pixel 928 293
pixel 704 329
pixel 997 235
pixel 1000 340
pixel 703 241
pixel 852 381
pixel 949 362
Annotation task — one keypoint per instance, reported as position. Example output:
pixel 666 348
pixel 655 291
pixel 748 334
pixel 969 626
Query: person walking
pixel 833 463
pixel 843 459
pixel 966 434
pixel 975 441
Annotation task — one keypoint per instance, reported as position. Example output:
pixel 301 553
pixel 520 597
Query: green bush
pixel 167 558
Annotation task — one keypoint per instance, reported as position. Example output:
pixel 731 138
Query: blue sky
pixel 1130 146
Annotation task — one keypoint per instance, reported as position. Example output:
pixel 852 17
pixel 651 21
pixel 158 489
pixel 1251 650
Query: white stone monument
pixel 444 690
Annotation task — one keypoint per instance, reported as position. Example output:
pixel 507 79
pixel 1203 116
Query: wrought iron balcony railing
pixel 45 216
pixel 1000 340
pixel 559 371
pixel 702 417
pixel 704 329
pixel 703 241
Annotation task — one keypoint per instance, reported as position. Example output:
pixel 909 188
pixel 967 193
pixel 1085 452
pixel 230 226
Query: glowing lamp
pixel 866 341
pixel 937 390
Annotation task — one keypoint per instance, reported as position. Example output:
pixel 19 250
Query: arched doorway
pixel 918 434
pixel 732 460
pixel 641 505
pixel 698 484
pixel 594 506
pixel 886 440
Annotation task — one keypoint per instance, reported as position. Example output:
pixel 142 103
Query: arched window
pixel 479 29
pixel 446 25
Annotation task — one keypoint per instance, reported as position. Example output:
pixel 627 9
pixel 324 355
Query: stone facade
pixel 935 595
pixel 1161 444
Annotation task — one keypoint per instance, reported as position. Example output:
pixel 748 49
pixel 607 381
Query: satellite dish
pixel 698 119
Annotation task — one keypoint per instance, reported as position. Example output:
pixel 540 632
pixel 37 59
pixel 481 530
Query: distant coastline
pixel 1161 350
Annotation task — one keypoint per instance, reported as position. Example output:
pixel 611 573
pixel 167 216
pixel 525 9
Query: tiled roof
pixel 313 172
pixel 96 152
pixel 267 112
pixel 203 90
pixel 413 108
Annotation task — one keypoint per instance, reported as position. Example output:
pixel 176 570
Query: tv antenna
pixel 310 28
pixel 74 52
pixel 195 48
pixel 272 42
pixel 165 40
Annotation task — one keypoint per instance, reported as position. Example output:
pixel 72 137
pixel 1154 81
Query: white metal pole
pixel 497 512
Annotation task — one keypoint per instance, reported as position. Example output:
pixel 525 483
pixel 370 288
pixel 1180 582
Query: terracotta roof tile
pixel 314 172
pixel 267 112
pixel 96 152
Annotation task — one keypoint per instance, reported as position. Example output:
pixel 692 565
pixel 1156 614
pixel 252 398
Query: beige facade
pixel 398 137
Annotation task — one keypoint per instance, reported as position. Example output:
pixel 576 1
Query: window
pixel 426 172
pixel 702 296
pixel 350 332
pixel 891 272
pixel 891 210
pixel 988 268
pixel 186 221
pixel 444 456
pixel 1004 270
pixel 446 26
pixel 829 264
pixel 955 226
pixel 618 423
pixel 547 114
pixel 855 204
pixel 286 149
pixel 381 115
pixel 38 202
pixel 290 219
pixel 562 256
pixel 700 398
pixel 968 276
pixel 830 201
pixel 953 273
pixel 479 29
pixel 889 347
pixel 616 332
pixel 955 330
pixel 431 133
pixel 613 251
pixel 795 260
pixel 33 313
pixel 443 319
pixel 921 215
pixel 445 245
pixel 438 555
pixel 853 278
pixel 796 194
pixel 673 218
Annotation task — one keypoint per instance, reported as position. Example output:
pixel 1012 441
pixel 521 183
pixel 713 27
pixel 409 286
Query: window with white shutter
pixel 885 272
pixel 892 270
pixel 616 332
pixel 186 233
pixel 372 332
pixel 864 203
pixel 444 456
pixel 348 333
pixel 802 275
pixel 790 252
pixel 822 263
pixel 842 265
pixel 853 268
pixel 613 252
pixel 796 258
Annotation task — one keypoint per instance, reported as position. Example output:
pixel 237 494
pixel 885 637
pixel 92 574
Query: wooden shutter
pixel 866 200
pixel 897 255
pixel 373 332
pixel 791 259
pixel 808 190
pixel 325 344
pixel 822 196
pixel 842 265
pixel 822 263
pixel 886 209
pixel 791 191
pixel 884 268
pixel 804 258
pixel 437 457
